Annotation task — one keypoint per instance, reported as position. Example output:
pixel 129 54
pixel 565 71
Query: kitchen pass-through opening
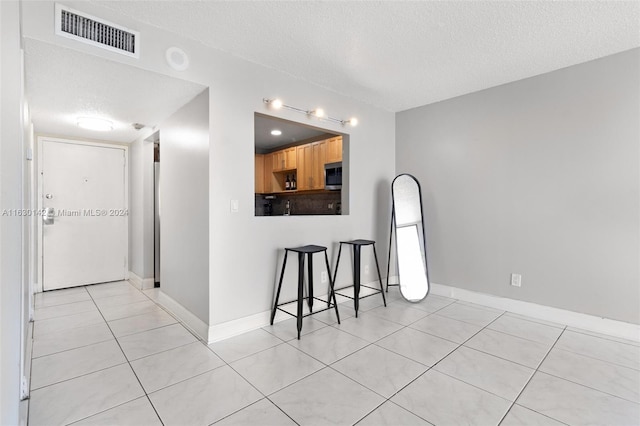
pixel 299 170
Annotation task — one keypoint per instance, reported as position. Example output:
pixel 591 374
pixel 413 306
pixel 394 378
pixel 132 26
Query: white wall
pixel 184 206
pixel 141 208
pixel 538 177
pixel 11 193
pixel 244 250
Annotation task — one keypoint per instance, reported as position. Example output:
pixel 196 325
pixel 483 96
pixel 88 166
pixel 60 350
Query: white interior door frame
pixel 41 140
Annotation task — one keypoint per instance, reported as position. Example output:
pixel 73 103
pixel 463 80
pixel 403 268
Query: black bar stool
pixel 308 250
pixel 357 244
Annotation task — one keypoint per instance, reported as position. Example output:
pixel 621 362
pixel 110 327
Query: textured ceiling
pixel 399 55
pixel 63 84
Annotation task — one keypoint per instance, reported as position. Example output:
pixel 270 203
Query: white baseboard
pixel 135 280
pixel 23 412
pixel 141 283
pixel 253 322
pixel 235 327
pixel 221 331
pixel 29 353
pixel 587 322
pixel 192 322
pixel 23 407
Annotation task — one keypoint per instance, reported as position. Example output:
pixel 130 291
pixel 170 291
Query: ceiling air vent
pixel 95 31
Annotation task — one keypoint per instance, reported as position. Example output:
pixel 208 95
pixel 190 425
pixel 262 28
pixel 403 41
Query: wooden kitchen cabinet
pixel 334 149
pixel 274 180
pixel 290 158
pixel 278 161
pixel 310 165
pixel 284 159
pixel 259 175
pixel 318 160
pixel 268 173
pixel 303 163
pixel 306 162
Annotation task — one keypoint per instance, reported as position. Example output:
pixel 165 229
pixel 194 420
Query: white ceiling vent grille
pixel 97 32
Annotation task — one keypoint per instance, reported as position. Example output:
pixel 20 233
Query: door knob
pixel 49 214
pixel 49 196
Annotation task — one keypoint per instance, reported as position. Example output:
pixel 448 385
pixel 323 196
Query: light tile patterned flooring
pixel 109 355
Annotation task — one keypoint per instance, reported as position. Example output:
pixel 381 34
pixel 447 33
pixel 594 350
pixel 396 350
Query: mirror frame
pixel 394 231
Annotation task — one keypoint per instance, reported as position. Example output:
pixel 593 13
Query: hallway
pixel 108 354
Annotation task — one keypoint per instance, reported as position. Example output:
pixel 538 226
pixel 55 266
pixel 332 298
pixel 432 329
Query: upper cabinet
pixel 290 158
pixel 305 163
pixel 304 167
pixel 268 174
pixel 318 160
pixel 334 149
pixel 284 159
pixel 259 173
pixel 311 160
pixel 264 173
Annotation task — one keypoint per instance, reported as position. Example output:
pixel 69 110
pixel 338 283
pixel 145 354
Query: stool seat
pixel 357 245
pixel 358 242
pixel 307 249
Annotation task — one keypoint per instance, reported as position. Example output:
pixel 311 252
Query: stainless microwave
pixel 333 176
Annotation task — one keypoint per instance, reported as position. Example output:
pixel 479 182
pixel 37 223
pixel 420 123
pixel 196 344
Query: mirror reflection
pixel 299 169
pixel 408 226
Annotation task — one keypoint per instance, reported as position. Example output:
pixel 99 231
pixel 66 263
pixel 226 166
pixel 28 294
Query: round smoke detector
pixel 177 58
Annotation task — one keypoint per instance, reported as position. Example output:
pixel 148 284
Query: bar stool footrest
pixel 330 306
pixel 376 291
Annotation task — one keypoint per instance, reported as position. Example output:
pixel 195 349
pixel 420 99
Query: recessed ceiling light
pixel 93 123
pixel 318 112
pixel 276 132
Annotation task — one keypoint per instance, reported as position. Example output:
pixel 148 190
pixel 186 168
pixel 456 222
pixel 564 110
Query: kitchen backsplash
pixel 323 203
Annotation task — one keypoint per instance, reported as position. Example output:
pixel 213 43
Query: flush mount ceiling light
pixel 276 132
pixel 94 123
pixel 317 113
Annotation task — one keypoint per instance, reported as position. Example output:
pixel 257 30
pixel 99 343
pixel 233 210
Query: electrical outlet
pixel 366 269
pixel 323 277
pixel 330 206
pixel 516 280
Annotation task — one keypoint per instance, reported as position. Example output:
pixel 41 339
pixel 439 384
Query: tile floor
pixel 109 355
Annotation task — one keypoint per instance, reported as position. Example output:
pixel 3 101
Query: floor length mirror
pixel 408 226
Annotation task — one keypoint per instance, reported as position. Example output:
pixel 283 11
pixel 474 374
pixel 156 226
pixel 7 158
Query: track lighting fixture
pixel 317 112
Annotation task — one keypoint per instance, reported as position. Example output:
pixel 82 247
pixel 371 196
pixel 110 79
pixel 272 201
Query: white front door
pixel 84 241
